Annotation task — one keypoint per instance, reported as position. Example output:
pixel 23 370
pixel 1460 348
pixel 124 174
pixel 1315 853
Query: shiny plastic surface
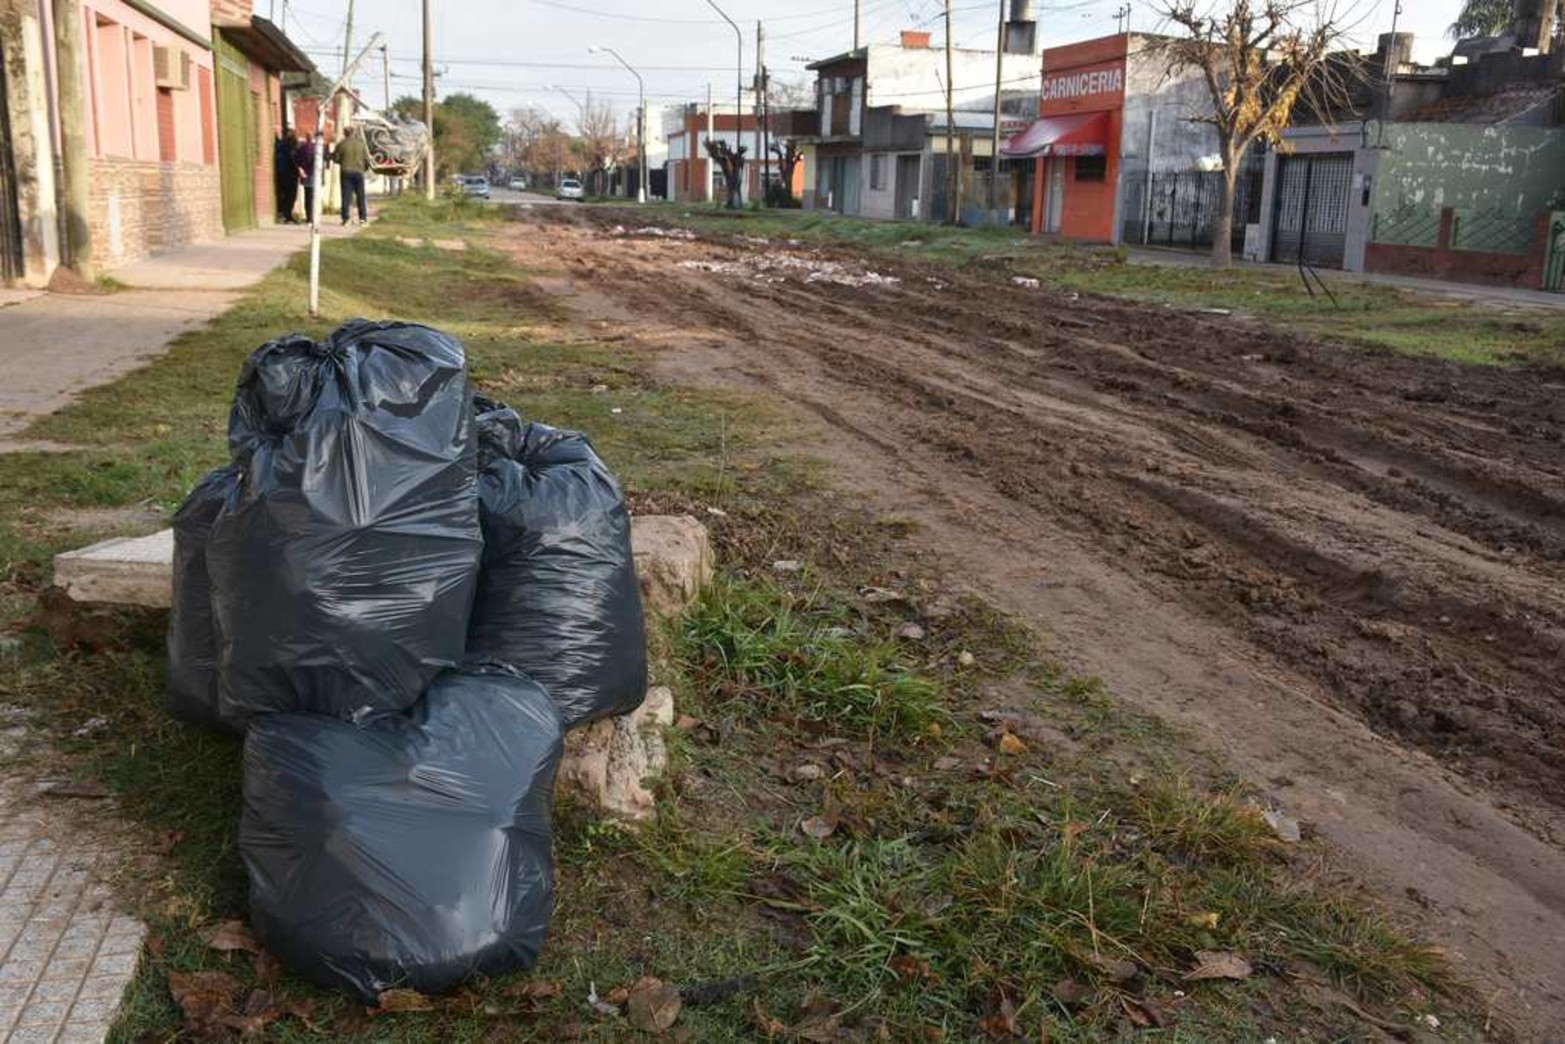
pixel 343 570
pixel 191 687
pixel 412 851
pixel 557 595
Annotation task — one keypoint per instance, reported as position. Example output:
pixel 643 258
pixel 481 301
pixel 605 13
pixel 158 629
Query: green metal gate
pixel 1554 259
pixel 236 137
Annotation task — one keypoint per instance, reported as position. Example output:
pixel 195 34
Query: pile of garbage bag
pixel 401 594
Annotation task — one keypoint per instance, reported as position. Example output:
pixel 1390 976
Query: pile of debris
pixel 402 595
pixel 779 268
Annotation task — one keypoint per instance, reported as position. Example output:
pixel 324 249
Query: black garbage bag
pixel 409 851
pixel 343 572
pixel 190 689
pixel 557 595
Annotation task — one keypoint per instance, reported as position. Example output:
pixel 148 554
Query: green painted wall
pixel 1513 171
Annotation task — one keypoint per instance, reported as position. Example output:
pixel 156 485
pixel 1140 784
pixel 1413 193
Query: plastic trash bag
pixel 557 595
pixel 410 851
pixel 343 571
pixel 191 686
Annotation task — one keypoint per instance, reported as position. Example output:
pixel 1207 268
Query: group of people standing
pixel 293 169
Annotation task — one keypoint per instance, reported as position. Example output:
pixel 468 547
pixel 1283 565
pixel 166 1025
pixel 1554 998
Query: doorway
pixel 1053 194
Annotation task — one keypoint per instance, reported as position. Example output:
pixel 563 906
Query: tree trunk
pixel 1223 226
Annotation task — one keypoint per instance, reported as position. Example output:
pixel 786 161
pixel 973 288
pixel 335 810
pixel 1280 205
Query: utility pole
pixel 738 89
pixel 856 4
pixel 706 193
pixel 429 106
pixel 73 135
pixel 953 176
pixel 761 137
pixel 994 150
pixel 347 39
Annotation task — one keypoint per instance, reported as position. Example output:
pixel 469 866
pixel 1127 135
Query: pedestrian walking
pixel 285 181
pixel 352 159
pixel 304 163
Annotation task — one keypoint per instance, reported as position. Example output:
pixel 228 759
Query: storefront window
pixel 1091 168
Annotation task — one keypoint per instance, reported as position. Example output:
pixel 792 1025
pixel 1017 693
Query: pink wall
pixel 120 83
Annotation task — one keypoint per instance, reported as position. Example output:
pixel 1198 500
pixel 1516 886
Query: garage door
pixel 1312 209
pixel 236 137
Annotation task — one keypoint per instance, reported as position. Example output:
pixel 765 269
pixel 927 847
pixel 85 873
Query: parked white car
pixel 518 184
pixel 569 188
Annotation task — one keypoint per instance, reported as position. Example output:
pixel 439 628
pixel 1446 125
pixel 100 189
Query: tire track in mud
pixel 1393 530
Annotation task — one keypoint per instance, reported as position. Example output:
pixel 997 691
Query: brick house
pixel 154 124
pixel 689 167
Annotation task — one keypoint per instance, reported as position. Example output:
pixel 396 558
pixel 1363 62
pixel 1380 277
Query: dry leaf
pixel 267 968
pixel 392 1002
pixel 653 1004
pixel 1116 968
pixel 1219 964
pixel 1142 1013
pixel 819 827
pixel 1066 991
pixel 768 1026
pixel 168 839
pixel 230 936
pixel 1010 743
pixel 1001 1025
pixel 1202 920
pixel 910 969
pixel 204 997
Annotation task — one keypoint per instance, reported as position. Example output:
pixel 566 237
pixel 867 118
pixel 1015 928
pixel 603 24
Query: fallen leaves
pixel 819 827
pixel 1219 964
pixel 397 1002
pixel 1116 968
pixel 204 998
pixel 1010 743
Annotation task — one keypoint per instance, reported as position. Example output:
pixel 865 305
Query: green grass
pixel 957 875
pixel 1365 316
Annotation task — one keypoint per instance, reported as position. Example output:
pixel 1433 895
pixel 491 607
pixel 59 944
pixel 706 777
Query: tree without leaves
pixel 788 157
pixel 601 138
pixel 730 161
pixel 1263 60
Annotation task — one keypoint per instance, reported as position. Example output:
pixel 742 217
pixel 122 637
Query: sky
pixel 516 53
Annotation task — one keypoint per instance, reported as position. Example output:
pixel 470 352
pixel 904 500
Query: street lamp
pixel 738 81
pixel 641 121
pixel 581 110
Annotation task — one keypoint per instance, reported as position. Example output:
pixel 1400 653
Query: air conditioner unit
pixel 171 68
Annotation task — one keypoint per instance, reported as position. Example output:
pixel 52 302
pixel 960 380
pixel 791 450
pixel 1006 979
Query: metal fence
pixel 1183 206
pixel 1408 225
pixel 1492 232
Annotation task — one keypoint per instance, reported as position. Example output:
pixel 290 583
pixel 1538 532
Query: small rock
pixel 1025 282
pixel 719 512
pixel 877 595
pixel 91 727
pixel 1285 827
pixel 599 389
pixel 965 659
pixel 787 565
pixel 616 410
pixel 946 764
pixel 911 631
pixel 806 773
pixel 1431 1021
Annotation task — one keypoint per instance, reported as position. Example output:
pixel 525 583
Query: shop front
pixel 1074 143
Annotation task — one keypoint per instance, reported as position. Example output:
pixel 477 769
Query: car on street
pixel 569 188
pixel 475 185
pixel 518 184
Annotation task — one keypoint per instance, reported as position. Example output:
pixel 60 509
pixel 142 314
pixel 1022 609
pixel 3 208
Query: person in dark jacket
pixel 352 159
pixel 304 163
pixel 285 180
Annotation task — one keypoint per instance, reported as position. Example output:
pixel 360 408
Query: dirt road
pixel 1344 569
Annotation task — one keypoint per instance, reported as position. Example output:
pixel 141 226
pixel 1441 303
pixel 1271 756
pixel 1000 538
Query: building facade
pixel 1111 115
pixel 178 99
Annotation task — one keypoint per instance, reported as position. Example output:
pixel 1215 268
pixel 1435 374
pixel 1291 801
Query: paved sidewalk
pixel 1494 295
pixel 66 954
pixel 53 346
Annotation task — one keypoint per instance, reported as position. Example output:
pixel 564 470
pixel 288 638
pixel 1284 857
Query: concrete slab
pixel 123 571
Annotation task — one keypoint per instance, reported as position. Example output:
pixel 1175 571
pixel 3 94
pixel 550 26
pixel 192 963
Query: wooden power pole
pixel 953 176
pixel 73 135
pixel 429 107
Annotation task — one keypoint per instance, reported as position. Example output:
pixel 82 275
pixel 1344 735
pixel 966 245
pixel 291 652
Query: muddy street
pixel 1342 569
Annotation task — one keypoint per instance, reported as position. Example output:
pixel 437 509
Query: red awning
pixel 1083 135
